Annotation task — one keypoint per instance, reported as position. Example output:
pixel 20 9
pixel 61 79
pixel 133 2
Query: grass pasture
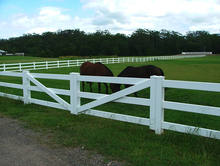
pixel 18 59
pixel 134 144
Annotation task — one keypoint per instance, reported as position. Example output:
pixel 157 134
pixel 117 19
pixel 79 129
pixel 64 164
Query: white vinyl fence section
pixel 156 102
pixel 78 62
pixel 196 53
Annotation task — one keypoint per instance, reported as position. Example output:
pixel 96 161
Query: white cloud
pixel 177 15
pixel 215 28
pixel 22 20
pixel 49 15
pixel 124 16
pixel 47 19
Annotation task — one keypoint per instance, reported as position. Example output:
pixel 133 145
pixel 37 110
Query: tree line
pixel 142 42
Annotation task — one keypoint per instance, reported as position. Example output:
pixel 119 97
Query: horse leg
pixel 83 86
pixel 90 83
pixel 99 87
pixel 106 87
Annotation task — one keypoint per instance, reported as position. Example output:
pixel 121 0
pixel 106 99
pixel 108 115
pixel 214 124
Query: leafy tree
pixel 142 42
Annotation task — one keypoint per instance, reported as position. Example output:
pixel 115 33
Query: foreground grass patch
pixel 135 144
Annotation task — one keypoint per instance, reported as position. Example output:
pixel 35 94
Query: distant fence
pixel 156 102
pixel 78 62
pixel 19 54
pixel 12 54
pixel 196 53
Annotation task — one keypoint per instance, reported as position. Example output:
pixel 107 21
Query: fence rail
pixel 196 53
pixel 156 102
pixel 78 62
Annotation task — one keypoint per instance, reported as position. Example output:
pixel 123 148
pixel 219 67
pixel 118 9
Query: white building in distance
pixel 2 52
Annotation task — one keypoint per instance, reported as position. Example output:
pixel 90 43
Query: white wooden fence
pixel 196 53
pixel 78 62
pixel 156 102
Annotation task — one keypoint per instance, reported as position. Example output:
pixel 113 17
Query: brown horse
pixel 95 69
pixel 138 72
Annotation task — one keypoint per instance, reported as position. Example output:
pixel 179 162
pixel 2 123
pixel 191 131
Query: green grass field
pixel 18 59
pixel 134 144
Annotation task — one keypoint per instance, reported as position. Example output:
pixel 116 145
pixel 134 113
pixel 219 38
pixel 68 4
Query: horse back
pixel 141 72
pixel 102 70
pixel 128 72
pixel 86 68
pixel 152 70
pixel 97 69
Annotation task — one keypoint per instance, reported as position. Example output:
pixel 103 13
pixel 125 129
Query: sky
pixel 18 17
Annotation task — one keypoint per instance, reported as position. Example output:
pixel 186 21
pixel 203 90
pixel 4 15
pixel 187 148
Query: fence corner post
pixel 74 93
pixel 26 87
pixel 156 104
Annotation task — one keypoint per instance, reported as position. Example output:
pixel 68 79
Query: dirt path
pixel 21 147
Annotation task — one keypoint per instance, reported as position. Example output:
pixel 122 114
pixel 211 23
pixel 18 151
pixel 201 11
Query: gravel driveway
pixel 23 147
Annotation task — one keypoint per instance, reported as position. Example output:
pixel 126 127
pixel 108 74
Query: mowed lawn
pixel 136 145
pixel 18 59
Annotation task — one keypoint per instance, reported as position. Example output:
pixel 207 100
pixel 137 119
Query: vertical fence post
pixel 156 103
pixel 46 65
pixel 20 67
pixel 26 87
pixel 58 64
pixel 34 64
pixel 74 93
pixel 68 63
